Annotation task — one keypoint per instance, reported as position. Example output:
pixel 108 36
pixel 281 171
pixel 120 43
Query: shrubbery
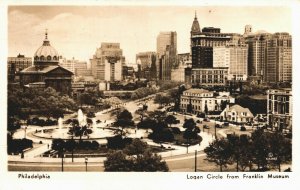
pixel 41 122
pixel 117 142
pixel 58 144
pixel 17 146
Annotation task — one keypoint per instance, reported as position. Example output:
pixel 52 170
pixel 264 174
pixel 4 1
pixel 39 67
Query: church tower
pixel 195 27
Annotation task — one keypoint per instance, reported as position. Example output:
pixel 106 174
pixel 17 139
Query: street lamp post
pixel 62 160
pixel 86 162
pixel 25 132
pixel 72 148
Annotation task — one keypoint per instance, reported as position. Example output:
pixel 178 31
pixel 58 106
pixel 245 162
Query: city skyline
pixel 135 28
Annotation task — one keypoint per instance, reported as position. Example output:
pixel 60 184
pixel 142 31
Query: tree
pixel 219 152
pixel 136 147
pixel 124 119
pixel 159 116
pixel 13 124
pixel 175 95
pixel 147 123
pixel 162 99
pixel 241 151
pixel 141 112
pixel 135 157
pixel 281 149
pixel 117 161
pixel 261 151
pixel 189 124
pixel 171 119
pixel 191 131
pixel 117 142
pixel 153 70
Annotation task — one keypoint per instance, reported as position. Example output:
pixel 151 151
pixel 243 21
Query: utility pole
pixel 195 160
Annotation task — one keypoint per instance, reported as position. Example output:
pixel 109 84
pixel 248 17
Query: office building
pixel 280 108
pixel 257 54
pixel 17 64
pixel 233 57
pixel 206 76
pixel 278 66
pixel 166 54
pixel 107 62
pixel 200 100
pixel 202 43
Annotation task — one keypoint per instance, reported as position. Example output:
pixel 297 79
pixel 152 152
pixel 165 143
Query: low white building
pixel 236 113
pixel 198 99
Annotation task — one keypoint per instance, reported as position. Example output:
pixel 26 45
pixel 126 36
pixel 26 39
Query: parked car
pixel 206 127
pixel 226 124
pixel 243 128
pixel 199 121
pixel 206 119
pixel 218 126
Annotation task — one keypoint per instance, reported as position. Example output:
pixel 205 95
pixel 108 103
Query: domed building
pixel 45 71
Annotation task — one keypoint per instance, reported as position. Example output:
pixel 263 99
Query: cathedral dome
pixel 46 53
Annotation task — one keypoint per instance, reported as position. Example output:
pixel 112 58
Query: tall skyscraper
pixel 235 58
pixel 107 62
pixel 144 58
pixel 144 61
pixel 202 43
pixel 166 54
pixel 279 58
pixel 257 54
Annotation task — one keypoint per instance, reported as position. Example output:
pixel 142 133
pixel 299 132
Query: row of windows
pixel 42 58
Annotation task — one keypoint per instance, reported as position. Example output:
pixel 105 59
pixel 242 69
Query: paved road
pixel 184 163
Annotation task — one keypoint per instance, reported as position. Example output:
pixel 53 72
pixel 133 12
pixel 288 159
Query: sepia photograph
pixel 149 89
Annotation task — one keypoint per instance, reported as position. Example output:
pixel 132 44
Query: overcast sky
pixel 76 31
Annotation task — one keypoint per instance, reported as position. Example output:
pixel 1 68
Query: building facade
pixel 166 54
pixel 202 43
pixel 200 101
pixel 235 58
pixel 107 62
pixel 280 108
pixel 257 54
pixel 145 59
pixel 236 113
pixel 207 76
pixel 81 69
pixel 17 64
pixel 146 62
pixel 279 58
pixel 46 70
pixel 68 64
